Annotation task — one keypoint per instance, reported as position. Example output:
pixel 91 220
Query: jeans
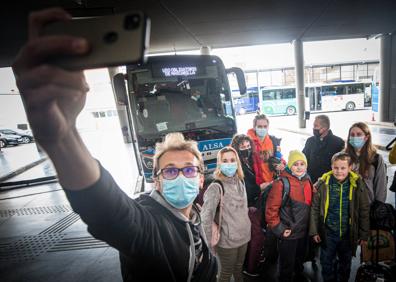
pixel 336 246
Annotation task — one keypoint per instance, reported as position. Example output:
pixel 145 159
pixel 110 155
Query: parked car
pixel 25 137
pixel 9 140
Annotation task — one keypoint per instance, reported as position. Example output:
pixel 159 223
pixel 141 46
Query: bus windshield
pixel 186 96
pixel 183 93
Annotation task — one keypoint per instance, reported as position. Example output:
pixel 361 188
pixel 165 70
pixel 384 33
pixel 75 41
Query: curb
pixel 381 123
pixel 379 147
pixel 21 169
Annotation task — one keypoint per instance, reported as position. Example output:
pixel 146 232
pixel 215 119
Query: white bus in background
pixel 347 96
pixel 321 97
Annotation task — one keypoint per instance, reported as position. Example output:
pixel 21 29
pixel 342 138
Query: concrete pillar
pixel 299 70
pixel 122 110
pixel 385 70
pixel 392 90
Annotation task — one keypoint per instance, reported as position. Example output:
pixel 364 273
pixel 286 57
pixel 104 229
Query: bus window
pixel 272 94
pixel 288 93
pixel 333 90
pixel 356 89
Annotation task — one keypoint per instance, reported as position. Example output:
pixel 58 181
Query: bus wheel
pixel 350 106
pixel 291 111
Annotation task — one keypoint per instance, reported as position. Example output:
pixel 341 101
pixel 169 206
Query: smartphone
pixel 115 40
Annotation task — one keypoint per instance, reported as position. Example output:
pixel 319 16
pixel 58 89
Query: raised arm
pixel 53 98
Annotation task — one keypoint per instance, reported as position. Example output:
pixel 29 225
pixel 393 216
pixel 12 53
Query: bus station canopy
pixel 186 25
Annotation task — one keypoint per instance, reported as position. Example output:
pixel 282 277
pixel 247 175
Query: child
pixel 339 217
pixel 290 221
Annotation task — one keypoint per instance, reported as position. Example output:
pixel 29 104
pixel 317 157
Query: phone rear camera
pixel 131 21
pixel 110 37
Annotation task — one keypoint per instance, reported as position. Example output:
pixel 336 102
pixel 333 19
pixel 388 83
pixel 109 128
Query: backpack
pixel 382 216
pixel 216 224
pixel 264 195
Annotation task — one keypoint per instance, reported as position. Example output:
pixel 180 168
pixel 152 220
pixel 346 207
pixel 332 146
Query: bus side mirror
pixel 240 78
pixel 120 89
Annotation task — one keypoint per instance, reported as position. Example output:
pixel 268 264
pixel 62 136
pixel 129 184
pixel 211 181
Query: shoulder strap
pixel 375 161
pixel 220 205
pixel 286 194
pixel 221 186
pixel 286 189
pixel 274 141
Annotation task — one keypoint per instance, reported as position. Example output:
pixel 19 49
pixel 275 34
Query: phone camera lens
pixel 131 22
pixel 110 37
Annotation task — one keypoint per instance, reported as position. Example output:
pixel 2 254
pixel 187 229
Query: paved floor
pixel 41 239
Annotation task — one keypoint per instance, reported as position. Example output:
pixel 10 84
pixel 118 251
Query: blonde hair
pixel 217 173
pixel 367 152
pixel 341 156
pixel 175 142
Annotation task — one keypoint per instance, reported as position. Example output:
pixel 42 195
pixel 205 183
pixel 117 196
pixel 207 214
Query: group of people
pixel 331 186
pixel 163 235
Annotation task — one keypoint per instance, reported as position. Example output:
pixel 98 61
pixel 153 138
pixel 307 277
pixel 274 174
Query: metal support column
pixel 122 110
pixel 385 66
pixel 299 70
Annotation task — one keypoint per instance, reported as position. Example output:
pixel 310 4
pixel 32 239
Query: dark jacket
pixel 155 241
pixel 319 153
pixel 295 214
pixel 359 210
pixel 250 178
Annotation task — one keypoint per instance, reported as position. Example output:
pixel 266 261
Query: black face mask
pixel 245 153
pixel 316 132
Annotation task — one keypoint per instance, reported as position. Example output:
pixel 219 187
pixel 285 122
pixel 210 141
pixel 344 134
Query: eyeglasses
pixel 170 173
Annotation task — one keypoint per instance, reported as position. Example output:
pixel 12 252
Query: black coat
pixel 154 241
pixel 252 189
pixel 319 153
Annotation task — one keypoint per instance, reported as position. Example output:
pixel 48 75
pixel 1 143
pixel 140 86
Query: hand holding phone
pixel 114 40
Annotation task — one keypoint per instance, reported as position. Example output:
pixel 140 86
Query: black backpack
pixel 264 195
pixel 382 216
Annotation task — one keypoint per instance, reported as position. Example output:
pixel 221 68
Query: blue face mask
pixel 357 142
pixel 228 169
pixel 261 132
pixel 181 191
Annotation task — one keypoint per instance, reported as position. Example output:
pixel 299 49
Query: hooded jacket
pixel 359 210
pixel 264 149
pixel 235 224
pixel 155 241
pixel 295 214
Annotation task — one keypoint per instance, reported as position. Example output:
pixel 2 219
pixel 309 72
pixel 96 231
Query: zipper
pixel 341 210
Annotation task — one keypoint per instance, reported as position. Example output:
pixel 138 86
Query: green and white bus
pixel 339 96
